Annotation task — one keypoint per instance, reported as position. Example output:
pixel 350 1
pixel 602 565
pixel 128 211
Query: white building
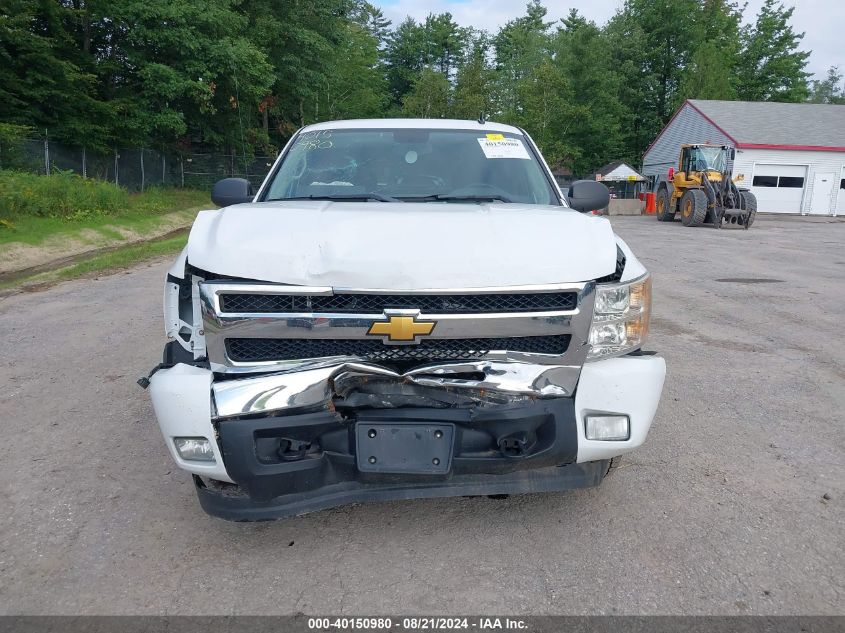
pixel 791 155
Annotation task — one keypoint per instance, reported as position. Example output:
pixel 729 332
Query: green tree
pixel 708 75
pixel 830 89
pixel 370 18
pixel 669 30
pixel 521 45
pixel 438 44
pixel 666 51
pixel 198 77
pixel 12 138
pixel 771 67
pixel 545 96
pixel 242 75
pixel 715 53
pixel 583 56
pixel 301 40
pixel 357 55
pixel 404 58
pixel 429 96
pixel 640 121
pixel 445 42
pixel 42 84
pixel 474 91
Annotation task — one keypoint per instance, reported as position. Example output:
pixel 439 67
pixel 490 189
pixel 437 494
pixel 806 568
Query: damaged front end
pixel 321 396
pixel 362 425
pixel 351 385
pixel 356 426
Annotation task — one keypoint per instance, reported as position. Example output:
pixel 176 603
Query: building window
pixel 794 182
pixel 765 181
pixel 842 184
pixel 789 182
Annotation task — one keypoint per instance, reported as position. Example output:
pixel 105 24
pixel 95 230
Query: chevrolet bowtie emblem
pixel 401 328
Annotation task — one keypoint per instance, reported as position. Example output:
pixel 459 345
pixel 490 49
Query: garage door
pixel 779 188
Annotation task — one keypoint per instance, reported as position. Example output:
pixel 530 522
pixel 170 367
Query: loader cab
pixel 698 158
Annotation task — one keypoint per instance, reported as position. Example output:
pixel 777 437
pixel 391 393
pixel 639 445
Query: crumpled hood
pixel 402 246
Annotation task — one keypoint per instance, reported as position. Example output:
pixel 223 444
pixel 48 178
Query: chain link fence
pixel 132 168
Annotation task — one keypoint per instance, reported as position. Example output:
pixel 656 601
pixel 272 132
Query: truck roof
pixel 429 124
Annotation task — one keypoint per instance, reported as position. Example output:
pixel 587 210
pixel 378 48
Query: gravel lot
pixel 721 512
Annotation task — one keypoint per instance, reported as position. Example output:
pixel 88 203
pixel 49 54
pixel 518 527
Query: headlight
pixel 620 318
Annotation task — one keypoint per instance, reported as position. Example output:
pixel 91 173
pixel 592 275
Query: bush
pixel 66 196
pixel 61 195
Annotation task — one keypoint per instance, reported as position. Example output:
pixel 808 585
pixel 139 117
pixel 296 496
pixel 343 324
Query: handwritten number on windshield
pixel 318 139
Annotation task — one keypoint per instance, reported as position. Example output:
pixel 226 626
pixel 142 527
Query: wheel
pixel 693 207
pixel 664 205
pixel 749 201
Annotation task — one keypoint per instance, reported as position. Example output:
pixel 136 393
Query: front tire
pixel 664 202
pixel 749 201
pixel 693 207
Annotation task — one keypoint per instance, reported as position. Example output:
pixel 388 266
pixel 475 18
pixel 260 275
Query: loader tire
pixel 664 202
pixel 749 201
pixel 693 207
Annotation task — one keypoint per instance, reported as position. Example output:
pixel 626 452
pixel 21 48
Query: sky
pixel 821 21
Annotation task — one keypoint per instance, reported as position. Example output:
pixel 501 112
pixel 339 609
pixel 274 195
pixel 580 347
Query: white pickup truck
pixel 404 309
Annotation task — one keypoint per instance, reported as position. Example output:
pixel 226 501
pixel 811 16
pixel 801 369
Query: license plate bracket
pixel 411 448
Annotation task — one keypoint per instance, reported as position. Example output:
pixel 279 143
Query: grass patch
pixel 109 232
pixel 62 195
pixel 117 259
pixel 123 257
pixel 34 208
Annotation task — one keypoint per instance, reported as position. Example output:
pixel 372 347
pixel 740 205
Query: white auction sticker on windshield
pixel 497 146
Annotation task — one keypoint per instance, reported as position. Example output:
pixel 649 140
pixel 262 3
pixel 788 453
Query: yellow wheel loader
pixel 702 190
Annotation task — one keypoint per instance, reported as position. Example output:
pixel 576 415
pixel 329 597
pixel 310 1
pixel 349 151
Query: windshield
pixel 708 158
pixel 411 165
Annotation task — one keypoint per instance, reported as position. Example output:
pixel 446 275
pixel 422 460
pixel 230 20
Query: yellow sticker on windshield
pixel 496 137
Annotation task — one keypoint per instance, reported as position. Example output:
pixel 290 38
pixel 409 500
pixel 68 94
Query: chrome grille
pixel 253 327
pixel 377 303
pixel 245 350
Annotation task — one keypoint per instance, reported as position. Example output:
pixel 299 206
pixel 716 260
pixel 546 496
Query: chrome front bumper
pixel 188 402
pixel 318 386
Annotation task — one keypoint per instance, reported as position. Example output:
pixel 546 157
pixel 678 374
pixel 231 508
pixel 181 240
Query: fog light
pixel 608 427
pixel 194 449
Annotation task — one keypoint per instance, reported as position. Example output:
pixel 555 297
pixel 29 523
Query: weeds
pixel 62 195
pixel 34 207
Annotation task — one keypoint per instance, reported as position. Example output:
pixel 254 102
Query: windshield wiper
pixel 342 196
pixel 445 197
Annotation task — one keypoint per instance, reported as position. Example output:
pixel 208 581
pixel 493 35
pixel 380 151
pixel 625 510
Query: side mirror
pixel 588 195
pixel 231 191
